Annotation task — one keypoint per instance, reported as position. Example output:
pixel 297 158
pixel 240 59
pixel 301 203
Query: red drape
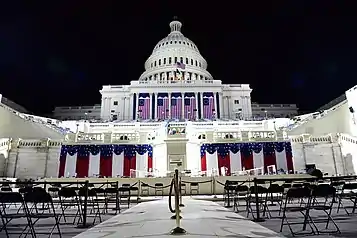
pixel 105 165
pixel 62 165
pixel 247 160
pixel 224 161
pixel 269 159
pixel 129 164
pixel 150 163
pixel 203 162
pixel 82 166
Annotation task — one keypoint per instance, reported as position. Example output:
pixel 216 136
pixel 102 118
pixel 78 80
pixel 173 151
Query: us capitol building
pixel 175 85
pixel 177 115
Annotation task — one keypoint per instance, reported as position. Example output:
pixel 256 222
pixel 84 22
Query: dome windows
pixel 164 61
pixel 159 62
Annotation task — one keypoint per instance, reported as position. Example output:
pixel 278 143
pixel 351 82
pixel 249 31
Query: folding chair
pixel 144 189
pixel 68 199
pixel 323 197
pixel 112 195
pixel 241 193
pixel 159 188
pixel 252 200
pixel 274 196
pixel 194 187
pixel 101 197
pixel 229 191
pixel 295 202
pixel 32 200
pixel 349 195
pixel 92 203
pixel 124 195
pixel 8 214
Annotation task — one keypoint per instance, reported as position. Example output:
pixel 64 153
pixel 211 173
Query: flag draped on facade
pixel 208 105
pixel 190 106
pixel 144 106
pixel 244 156
pixel 162 106
pixel 105 160
pixel 176 106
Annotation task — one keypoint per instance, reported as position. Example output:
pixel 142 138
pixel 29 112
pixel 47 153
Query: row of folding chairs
pixel 286 196
pixel 30 207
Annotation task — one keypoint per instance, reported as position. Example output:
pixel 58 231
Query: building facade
pixel 175 85
pixel 77 113
pixel 274 110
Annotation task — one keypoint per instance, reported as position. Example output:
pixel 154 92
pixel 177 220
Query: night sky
pixel 288 51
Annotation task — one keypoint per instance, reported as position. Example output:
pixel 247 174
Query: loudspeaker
pixel 351 110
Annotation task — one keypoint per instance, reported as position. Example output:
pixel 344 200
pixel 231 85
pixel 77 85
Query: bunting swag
pixel 104 160
pixel 244 156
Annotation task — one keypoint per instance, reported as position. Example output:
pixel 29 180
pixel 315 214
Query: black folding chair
pixel 274 196
pixel 323 197
pixel 348 195
pixel 124 195
pixel 297 200
pixel 68 199
pixel 254 191
pixel 112 196
pixel 92 203
pixel 35 214
pixel 241 193
pixel 8 214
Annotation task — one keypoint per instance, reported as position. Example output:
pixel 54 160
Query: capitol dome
pixel 162 63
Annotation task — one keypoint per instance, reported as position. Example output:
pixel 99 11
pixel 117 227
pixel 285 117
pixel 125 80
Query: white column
pixel 102 109
pixel 216 101
pixel 137 106
pixel 196 101
pixel 130 107
pixel 183 106
pixel 151 100
pixel 155 113
pixel 201 104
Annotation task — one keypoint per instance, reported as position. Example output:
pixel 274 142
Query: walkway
pixel 200 219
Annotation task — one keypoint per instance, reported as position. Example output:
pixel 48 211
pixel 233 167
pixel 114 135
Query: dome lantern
pixel 175 26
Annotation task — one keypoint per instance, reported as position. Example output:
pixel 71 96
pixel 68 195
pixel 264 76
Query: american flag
pixel 208 107
pixel 162 108
pixel 180 65
pixel 190 105
pixel 176 107
pixel 144 108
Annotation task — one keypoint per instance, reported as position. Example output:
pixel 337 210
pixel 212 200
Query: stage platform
pixel 200 219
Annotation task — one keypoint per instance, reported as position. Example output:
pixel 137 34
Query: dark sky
pixel 288 51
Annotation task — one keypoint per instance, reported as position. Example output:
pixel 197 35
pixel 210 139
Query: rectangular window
pixel 170 60
pixel 175 60
pixel 236 101
pixel 115 103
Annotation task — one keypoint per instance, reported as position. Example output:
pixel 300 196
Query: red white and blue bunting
pixel 244 156
pixel 104 160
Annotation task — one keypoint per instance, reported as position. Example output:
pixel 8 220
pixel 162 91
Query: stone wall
pixel 31 159
pixel 324 151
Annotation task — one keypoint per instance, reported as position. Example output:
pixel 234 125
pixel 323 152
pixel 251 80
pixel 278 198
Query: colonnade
pixel 198 107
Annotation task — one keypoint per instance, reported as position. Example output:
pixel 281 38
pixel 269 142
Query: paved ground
pixel 346 223
pixel 200 219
